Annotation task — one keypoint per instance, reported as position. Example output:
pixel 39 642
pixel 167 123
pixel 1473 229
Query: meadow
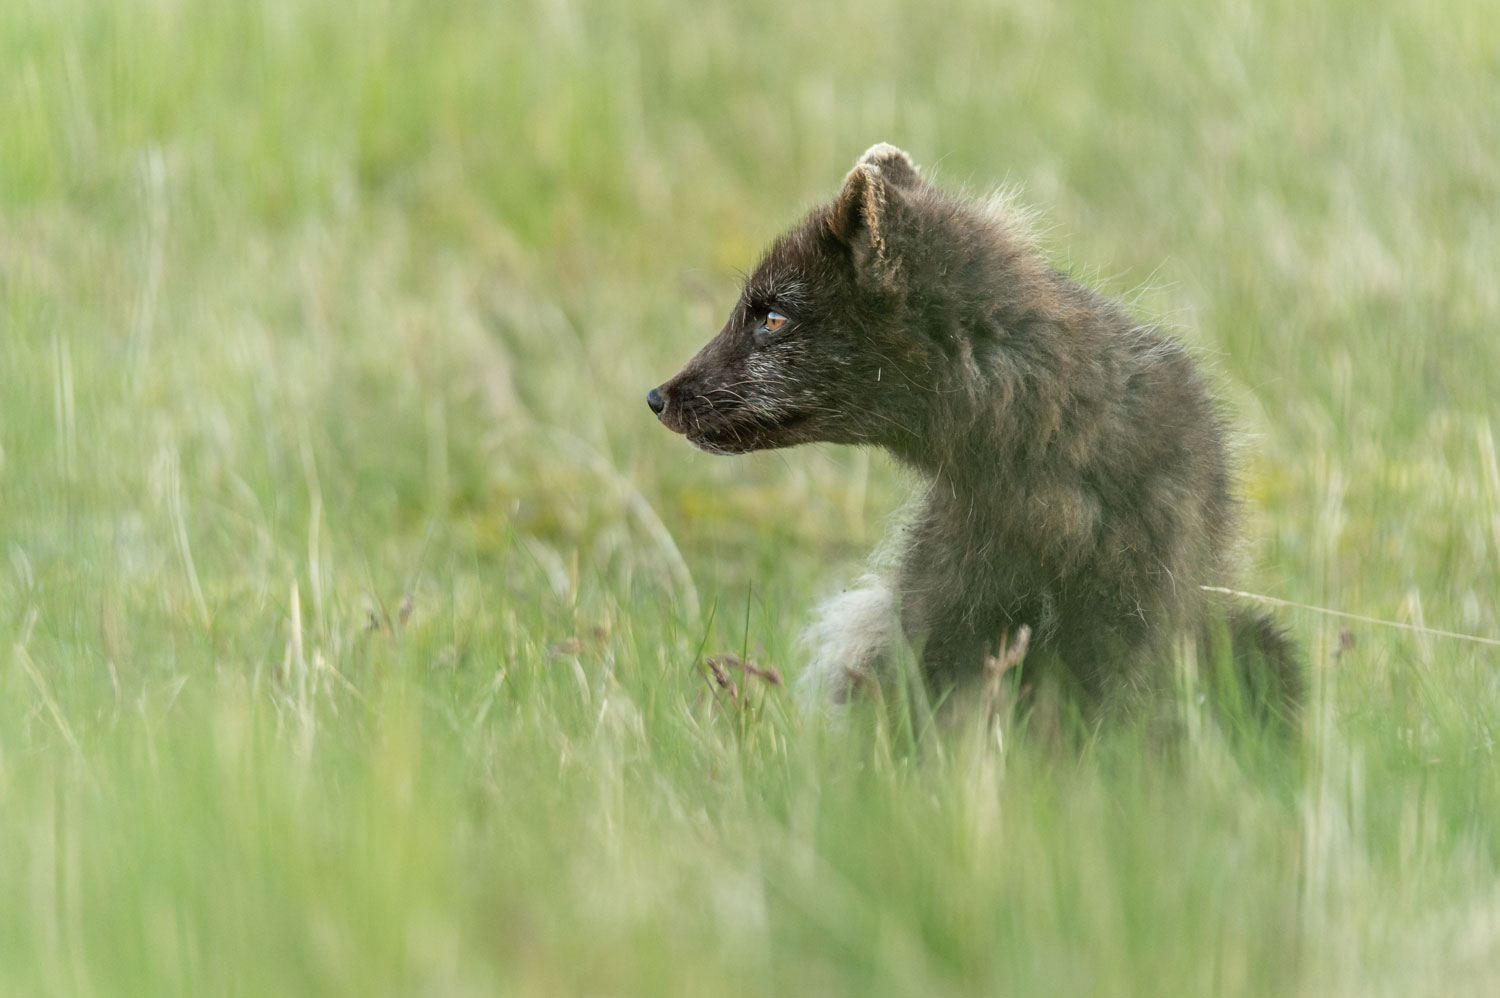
pixel 354 608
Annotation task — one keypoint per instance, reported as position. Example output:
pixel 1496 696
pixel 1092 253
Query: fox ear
pixel 862 216
pixel 860 220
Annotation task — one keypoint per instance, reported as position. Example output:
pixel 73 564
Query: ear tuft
pixel 893 163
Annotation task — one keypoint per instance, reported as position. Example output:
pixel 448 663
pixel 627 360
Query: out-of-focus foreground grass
pixel 351 600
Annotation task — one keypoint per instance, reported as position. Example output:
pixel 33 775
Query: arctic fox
pixel 1075 466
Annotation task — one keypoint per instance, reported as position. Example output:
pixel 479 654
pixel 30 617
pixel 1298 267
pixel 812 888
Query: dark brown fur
pixel 1078 480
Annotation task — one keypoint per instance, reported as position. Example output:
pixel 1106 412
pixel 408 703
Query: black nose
pixel 655 401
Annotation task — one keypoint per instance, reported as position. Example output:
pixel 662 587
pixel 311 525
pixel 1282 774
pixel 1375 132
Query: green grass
pixel 351 602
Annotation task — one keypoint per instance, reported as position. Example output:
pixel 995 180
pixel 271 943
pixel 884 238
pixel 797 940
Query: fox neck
pixel 987 424
pixel 955 422
pixel 967 457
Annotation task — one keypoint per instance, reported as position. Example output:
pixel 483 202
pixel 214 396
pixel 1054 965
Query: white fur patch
pixel 851 639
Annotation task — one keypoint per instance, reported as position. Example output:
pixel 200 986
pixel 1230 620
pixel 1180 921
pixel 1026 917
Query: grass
pixel 352 604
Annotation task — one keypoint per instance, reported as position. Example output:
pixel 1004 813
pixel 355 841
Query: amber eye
pixel 774 321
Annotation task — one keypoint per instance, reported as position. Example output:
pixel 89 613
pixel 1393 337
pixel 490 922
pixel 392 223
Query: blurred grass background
pixel 351 598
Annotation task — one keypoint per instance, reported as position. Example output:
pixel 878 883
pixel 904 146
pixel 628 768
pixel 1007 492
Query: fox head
pixel 819 345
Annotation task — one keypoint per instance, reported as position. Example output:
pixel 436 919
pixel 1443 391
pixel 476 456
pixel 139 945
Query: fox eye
pixel 768 327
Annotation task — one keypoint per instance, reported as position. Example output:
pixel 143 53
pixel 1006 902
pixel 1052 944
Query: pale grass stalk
pixel 23 658
pixel 64 408
pixel 314 528
pixel 1492 479
pixel 184 546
